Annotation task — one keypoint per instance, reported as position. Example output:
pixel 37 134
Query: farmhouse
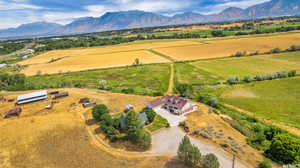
pixel 32 97
pixel 174 104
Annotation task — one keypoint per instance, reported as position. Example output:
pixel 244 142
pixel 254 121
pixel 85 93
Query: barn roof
pixel 32 95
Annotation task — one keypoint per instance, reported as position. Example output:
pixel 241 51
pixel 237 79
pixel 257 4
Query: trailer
pixel 90 104
pixel 54 92
pixel 61 95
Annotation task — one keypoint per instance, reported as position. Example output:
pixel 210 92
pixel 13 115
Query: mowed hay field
pixel 276 100
pixel 58 138
pixel 216 48
pixel 254 65
pixel 98 57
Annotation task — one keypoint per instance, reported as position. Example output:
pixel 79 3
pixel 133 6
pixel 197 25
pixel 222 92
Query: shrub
pixel 233 80
pixel 240 54
pixel 217 33
pixel 265 164
pixel 210 161
pixel 98 111
pixel 128 91
pixel 285 148
pixel 282 74
pixel 213 102
pixel 292 73
pixel 294 48
pixel 275 50
pixel 248 79
pixel 259 77
pixel 150 114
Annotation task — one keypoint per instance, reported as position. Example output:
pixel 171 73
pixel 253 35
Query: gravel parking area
pixel 167 142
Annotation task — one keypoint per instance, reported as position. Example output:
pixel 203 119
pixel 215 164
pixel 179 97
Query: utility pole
pixel 233 161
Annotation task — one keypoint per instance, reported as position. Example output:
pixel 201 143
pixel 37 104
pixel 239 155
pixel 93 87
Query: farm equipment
pixel 13 113
pixel 61 95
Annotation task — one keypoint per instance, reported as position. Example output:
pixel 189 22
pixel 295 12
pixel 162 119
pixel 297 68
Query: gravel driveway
pixel 173 120
pixel 167 141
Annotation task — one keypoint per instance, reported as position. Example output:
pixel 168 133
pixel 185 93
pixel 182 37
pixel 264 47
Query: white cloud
pixel 16 6
pixel 241 4
pixel 228 3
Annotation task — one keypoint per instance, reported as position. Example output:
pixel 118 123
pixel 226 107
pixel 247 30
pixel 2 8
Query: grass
pixel 254 65
pixel 188 74
pixel 141 80
pixel 158 123
pixel 275 100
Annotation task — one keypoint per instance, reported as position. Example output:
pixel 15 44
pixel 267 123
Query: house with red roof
pixel 174 104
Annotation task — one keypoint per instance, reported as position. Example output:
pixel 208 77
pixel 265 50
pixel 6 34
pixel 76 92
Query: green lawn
pixel 188 74
pixel 141 80
pixel 243 66
pixel 277 100
pixel 158 123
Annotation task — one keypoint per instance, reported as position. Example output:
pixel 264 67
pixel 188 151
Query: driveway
pixel 173 120
pixel 166 142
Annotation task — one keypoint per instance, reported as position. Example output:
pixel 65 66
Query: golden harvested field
pixel 59 138
pixel 98 51
pixel 94 61
pixel 223 48
pixel 98 57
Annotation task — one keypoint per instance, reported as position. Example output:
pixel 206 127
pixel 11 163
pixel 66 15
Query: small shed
pixel 129 107
pixel 61 95
pixel 143 117
pixel 122 121
pixel 13 113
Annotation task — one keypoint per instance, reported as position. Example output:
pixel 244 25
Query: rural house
pixel 174 104
pixel 32 97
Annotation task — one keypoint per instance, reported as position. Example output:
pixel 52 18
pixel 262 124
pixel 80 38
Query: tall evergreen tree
pixel 189 154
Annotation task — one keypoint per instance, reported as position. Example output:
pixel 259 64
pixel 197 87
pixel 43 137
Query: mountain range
pixel 138 19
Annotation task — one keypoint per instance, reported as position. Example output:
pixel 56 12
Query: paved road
pixel 167 141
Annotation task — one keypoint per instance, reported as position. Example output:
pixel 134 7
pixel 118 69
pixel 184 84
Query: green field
pixel 243 66
pixel 141 80
pixel 276 100
pixel 188 74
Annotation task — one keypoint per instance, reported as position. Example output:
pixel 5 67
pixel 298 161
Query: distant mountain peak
pixel 137 18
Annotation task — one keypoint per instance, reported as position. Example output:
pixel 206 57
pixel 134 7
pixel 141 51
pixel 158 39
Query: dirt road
pixel 166 142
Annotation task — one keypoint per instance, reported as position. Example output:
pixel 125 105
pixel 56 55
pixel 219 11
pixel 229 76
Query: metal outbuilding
pixel 32 97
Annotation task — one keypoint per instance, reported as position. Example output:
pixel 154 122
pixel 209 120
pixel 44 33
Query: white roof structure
pixel 2 65
pixel 31 97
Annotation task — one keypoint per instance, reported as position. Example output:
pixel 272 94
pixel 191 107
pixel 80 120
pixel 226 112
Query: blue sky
pixel 16 12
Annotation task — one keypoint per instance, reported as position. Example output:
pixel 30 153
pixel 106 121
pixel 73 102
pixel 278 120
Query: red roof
pixel 174 101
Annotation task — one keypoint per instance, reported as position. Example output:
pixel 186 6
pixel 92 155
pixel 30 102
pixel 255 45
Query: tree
pixel 248 79
pixel 183 89
pixel 210 161
pixel 135 131
pixel 134 127
pixel 136 62
pixel 285 148
pixel 213 102
pixel 98 111
pixel 150 114
pixel 189 154
pixel 265 164
pixel 217 33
